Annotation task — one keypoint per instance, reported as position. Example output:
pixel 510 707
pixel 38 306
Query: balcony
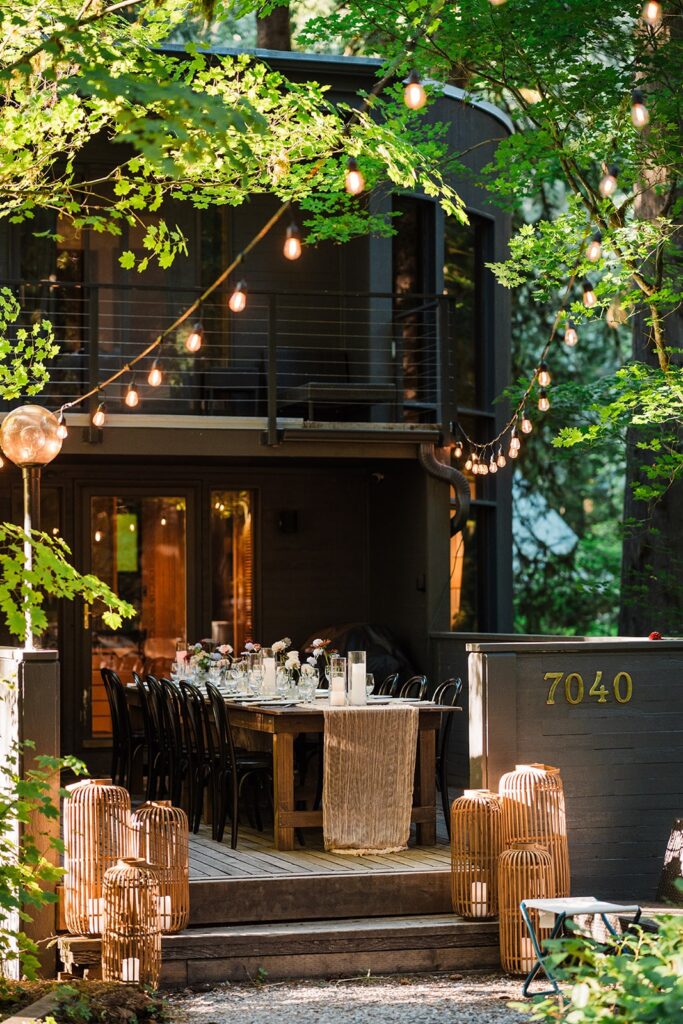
pixel 326 361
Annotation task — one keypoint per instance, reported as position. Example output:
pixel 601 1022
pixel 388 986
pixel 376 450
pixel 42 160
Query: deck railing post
pixel 445 366
pixel 93 434
pixel 272 438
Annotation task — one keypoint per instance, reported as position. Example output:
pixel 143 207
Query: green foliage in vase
pixel 26 874
pixel 51 573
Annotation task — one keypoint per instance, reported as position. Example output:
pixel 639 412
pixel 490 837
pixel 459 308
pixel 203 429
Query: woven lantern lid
pixel 528 845
pixel 535 767
pixel 89 782
pixel 478 792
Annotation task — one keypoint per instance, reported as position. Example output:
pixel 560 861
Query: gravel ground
pixel 423 999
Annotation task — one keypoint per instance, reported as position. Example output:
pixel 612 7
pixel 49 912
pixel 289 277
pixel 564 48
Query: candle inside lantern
pixel 527 955
pixel 358 694
pixel 130 969
pixel 95 916
pixel 479 899
pixel 164 905
pixel 546 919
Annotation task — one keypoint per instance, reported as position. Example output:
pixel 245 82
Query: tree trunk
pixel 273 31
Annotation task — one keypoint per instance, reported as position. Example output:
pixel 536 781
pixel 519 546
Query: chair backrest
pixel 113 706
pixel 116 693
pixel 221 722
pixel 416 687
pixel 192 703
pixel 447 694
pixel 149 714
pixel 173 715
pixel 388 685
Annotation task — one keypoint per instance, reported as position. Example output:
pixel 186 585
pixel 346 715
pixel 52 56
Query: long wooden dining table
pixel 284 724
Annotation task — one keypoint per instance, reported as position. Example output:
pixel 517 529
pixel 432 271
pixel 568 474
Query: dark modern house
pixel 284 480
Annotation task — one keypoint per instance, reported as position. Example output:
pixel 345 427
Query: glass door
pixel 138 546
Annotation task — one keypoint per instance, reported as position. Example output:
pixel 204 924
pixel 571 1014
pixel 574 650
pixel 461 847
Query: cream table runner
pixel 368 774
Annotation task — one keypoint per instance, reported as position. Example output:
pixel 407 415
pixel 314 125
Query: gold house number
pixel 575 689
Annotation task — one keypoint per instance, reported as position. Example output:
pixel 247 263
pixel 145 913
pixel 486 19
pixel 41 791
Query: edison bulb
pixel 639 112
pixel 98 536
pixel 100 415
pixel 483 469
pixel 493 468
pixel 571 336
pixel 594 248
pixel 501 460
pixel 544 375
pixel 589 297
pixel 238 300
pixel 513 453
pixel 515 443
pixel 525 424
pixel 652 13
pixel 62 431
pixel 543 401
pixel 608 182
pixel 292 248
pixel 354 182
pixel 155 376
pixel 457 450
pixel 468 463
pixel 414 95
pixel 193 342
pixel 132 398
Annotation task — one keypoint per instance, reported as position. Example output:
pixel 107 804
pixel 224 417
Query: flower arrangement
pixel 319 655
pixel 202 661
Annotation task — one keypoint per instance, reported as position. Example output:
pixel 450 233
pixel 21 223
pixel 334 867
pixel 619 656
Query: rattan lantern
pixel 131 934
pixel 161 833
pixel 525 872
pixel 96 834
pixel 672 870
pixel 476 841
pixel 533 811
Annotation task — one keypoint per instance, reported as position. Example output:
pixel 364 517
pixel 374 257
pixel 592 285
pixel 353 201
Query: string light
pixel 501 460
pixel 414 95
pixel 292 248
pixel 639 112
pixel 100 415
pixel 608 182
pixel 61 426
pixel 493 468
pixel 483 469
pixel 468 463
pixel 132 398
pixel 543 375
pixel 193 342
pixel 475 463
pixel 652 13
pixel 571 335
pixel 515 443
pixel 594 249
pixel 543 401
pixel 513 453
pixel 497 3
pixel 354 182
pixel 589 297
pixel 457 450
pixel 238 300
pixel 525 424
pixel 155 376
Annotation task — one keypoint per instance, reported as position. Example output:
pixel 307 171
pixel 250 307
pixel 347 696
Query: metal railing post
pixel 445 364
pixel 93 434
pixel 272 438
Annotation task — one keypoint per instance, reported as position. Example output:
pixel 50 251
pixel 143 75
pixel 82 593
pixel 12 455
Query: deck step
pixel 314 949
pixel 224 901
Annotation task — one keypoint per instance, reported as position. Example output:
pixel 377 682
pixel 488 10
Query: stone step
pixel 312 949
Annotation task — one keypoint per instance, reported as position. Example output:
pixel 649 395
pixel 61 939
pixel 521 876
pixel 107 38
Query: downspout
pixel 457 480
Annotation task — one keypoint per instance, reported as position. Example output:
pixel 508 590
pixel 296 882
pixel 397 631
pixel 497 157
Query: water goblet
pixel 369 684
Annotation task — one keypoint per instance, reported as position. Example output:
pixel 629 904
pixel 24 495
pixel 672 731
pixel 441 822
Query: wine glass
pixel 369 684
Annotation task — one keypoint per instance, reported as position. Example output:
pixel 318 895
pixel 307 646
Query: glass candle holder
pixel 269 671
pixel 337 672
pixel 357 673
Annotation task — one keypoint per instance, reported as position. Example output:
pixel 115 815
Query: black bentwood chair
pixel 197 750
pixel 415 687
pixel 389 685
pixel 447 694
pixel 156 753
pixel 232 770
pixel 127 743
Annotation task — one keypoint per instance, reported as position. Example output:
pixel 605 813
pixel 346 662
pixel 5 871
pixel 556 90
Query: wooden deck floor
pixel 256 857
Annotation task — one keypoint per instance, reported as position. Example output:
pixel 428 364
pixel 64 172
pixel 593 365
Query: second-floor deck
pixel 331 358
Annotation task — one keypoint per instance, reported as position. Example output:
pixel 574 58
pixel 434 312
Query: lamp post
pixel 30 438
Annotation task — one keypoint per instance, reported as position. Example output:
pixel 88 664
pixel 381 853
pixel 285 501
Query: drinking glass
pixel 337 677
pixel 369 684
pixel 255 683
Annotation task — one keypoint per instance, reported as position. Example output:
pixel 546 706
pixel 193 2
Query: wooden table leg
pixel 425 789
pixel 283 787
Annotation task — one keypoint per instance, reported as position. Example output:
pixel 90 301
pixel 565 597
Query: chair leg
pixel 445 803
pixel 235 811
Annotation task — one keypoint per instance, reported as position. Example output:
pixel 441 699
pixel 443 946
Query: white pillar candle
pixel 527 955
pixel 164 905
pixel 130 969
pixel 95 909
pixel 357 693
pixel 337 692
pixel 479 899
pixel 269 676
pixel 546 919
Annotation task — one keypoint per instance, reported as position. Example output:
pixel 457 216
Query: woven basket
pixel 533 811
pixel 476 841
pixel 161 837
pixel 96 834
pixel 525 872
pixel 131 935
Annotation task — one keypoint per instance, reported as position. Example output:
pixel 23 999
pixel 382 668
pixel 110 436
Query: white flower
pixel 281 645
pixel 318 652
pixel 316 643
pixel 308 670
pixel 249 646
pixel 311 661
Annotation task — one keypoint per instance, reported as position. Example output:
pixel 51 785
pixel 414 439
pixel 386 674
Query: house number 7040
pixel 575 689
